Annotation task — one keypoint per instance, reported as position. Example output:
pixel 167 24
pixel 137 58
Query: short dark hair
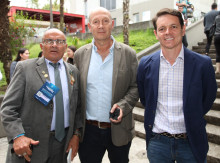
pixel 167 11
pixel 40 54
pixel 20 51
pixel 214 6
pixel 73 48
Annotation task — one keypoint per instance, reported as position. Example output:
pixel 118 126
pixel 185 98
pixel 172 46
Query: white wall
pixel 148 7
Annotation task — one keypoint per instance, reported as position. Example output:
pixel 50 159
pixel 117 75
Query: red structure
pixel 73 22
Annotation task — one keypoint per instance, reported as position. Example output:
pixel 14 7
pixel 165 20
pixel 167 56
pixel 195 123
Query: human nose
pixel 100 25
pixel 167 30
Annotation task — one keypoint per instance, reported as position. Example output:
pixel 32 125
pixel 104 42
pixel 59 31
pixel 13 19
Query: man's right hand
pixel 22 145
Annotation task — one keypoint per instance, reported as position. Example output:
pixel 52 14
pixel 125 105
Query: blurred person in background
pixel 65 57
pixel 23 54
pixel 217 43
pixel 209 20
pixel 70 52
pixel 184 40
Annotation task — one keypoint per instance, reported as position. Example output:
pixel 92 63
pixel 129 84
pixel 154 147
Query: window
pixel 146 16
pixel 108 4
pixel 136 17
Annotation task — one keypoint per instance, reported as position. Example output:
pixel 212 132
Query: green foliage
pixel 18 30
pixel 34 50
pixel 55 5
pixel 34 3
pixel 73 41
pixel 139 40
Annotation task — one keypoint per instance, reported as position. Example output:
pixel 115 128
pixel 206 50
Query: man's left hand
pixel 120 115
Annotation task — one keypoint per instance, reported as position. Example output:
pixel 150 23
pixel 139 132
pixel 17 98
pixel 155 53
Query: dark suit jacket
pixel 199 93
pixel 22 113
pixel 124 87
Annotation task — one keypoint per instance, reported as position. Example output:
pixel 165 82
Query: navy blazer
pixel 199 93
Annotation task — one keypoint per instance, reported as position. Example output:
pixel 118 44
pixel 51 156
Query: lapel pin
pixel 72 80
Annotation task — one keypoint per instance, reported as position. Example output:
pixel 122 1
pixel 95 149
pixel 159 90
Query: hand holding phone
pixel 115 114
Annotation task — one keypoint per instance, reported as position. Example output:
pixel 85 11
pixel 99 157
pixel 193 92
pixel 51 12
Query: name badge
pixel 46 93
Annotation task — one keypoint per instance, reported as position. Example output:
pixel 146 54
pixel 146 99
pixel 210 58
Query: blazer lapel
pixel 116 62
pixel 154 66
pixel 85 67
pixel 42 69
pixel 188 72
pixel 70 78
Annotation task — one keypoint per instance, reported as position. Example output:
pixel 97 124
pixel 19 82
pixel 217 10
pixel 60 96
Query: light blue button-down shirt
pixel 65 92
pixel 99 86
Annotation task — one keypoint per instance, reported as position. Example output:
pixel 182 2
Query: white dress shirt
pixel 65 91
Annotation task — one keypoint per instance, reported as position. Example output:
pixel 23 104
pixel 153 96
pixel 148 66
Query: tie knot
pixel 55 65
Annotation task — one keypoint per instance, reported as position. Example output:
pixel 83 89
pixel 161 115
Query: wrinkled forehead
pixel 54 33
pixel 98 14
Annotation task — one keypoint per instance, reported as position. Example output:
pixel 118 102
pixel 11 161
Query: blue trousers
pixel 162 149
pixel 95 143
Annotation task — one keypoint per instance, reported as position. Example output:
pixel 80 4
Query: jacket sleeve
pixel 11 104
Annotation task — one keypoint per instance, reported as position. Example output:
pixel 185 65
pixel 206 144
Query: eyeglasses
pixel 51 42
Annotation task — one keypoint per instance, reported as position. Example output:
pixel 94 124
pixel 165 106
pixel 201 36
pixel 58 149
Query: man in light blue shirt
pixel 107 81
pixel 99 84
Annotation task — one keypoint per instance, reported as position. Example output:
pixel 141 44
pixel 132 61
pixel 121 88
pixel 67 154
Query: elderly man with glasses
pixel 40 110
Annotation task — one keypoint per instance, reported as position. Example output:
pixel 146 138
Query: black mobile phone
pixel 115 114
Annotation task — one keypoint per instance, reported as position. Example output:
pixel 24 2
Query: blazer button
pixel 149 126
pixel 48 127
pixel 51 106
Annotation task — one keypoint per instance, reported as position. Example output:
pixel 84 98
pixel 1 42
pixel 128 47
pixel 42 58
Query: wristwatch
pixel 77 133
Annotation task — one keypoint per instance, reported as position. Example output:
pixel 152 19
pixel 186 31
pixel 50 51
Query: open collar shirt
pixel 99 85
pixel 169 113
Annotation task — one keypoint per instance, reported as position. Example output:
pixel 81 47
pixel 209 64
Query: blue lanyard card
pixel 46 93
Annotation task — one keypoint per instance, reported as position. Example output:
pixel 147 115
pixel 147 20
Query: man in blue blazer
pixel 177 88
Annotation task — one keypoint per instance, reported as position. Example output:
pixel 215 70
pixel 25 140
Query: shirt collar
pixel 111 48
pixel 60 61
pixel 180 56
